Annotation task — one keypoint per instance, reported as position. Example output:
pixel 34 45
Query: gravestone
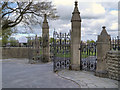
pixel 103 45
pixel 45 41
pixel 75 38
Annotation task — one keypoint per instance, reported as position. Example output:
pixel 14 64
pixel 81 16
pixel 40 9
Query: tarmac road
pixel 17 73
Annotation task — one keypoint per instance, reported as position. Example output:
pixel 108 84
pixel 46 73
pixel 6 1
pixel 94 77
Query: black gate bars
pixel 61 52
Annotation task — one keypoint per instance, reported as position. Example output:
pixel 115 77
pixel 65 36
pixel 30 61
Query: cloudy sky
pixel 94 15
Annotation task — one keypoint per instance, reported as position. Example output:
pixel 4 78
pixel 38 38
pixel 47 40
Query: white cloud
pixel 114 12
pixel 94 15
pixel 98 9
pixel 95 9
pixel 67 25
pixel 91 10
pixel 114 26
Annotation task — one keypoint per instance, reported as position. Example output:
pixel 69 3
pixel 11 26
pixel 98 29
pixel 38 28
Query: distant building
pixel 22 41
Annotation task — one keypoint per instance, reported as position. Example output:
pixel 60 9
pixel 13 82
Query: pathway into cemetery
pixel 17 73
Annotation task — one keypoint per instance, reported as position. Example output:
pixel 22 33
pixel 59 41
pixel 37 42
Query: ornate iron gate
pixel 88 56
pixel 61 51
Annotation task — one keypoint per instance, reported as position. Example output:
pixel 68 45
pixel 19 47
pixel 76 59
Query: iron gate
pixel 61 51
pixel 88 56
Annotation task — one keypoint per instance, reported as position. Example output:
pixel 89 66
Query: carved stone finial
pixel 76 3
pixel 76 13
pixel 103 27
pixel 45 23
pixel 104 32
pixel 45 18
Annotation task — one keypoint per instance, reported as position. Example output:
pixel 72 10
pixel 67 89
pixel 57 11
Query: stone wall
pixel 14 52
pixel 113 64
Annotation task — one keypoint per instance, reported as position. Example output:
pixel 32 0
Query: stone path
pixel 87 79
pixel 17 73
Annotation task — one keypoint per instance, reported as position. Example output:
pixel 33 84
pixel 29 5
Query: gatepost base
pixel 75 67
pixel 103 74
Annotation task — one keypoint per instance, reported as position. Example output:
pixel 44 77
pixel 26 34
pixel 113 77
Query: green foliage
pixel 67 55
pixel 90 41
pixel 51 40
pixel 13 42
pixel 84 54
pixel 5 34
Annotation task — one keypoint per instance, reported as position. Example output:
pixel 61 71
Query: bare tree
pixel 13 13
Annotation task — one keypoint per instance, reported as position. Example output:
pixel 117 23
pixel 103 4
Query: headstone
pixel 103 46
pixel 75 38
pixel 45 41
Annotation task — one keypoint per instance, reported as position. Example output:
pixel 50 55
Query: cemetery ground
pixel 18 73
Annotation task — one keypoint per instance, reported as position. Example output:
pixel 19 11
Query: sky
pixel 94 15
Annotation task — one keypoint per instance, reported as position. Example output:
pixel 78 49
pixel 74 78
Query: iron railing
pixel 115 43
pixel 88 57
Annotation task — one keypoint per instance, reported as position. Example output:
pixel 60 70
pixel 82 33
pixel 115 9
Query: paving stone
pixel 88 80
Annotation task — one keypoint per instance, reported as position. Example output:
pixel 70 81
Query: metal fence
pixel 115 43
pixel 61 51
pixel 88 56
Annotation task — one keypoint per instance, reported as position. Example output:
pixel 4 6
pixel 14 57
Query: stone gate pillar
pixel 75 38
pixel 45 40
pixel 36 49
pixel 103 45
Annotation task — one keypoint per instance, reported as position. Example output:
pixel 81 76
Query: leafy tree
pixel 51 40
pixel 5 34
pixel 90 41
pixel 13 42
pixel 27 13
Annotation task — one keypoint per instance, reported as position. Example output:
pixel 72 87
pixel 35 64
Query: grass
pixel 63 55
pixel 68 55
pixel 84 54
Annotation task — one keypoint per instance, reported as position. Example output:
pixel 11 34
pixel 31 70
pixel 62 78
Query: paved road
pixel 20 74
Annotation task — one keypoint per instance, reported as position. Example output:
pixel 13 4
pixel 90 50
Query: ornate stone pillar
pixel 45 40
pixel 37 48
pixel 75 38
pixel 103 46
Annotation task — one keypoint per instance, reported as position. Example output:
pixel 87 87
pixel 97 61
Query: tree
pixel 13 13
pixel 13 42
pixel 5 34
pixel 90 41
pixel 51 40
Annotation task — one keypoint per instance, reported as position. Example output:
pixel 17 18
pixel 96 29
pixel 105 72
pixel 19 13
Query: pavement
pixel 87 79
pixel 17 73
